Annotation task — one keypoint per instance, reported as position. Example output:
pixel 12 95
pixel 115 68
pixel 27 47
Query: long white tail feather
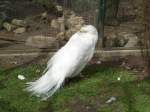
pixel 47 85
pixel 66 62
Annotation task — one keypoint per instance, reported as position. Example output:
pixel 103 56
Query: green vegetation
pixel 84 94
pixel 48 5
pixel 2 19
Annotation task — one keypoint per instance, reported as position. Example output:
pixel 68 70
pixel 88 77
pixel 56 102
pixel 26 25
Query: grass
pixel 81 94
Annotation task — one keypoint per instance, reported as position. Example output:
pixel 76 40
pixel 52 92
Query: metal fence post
pixel 100 23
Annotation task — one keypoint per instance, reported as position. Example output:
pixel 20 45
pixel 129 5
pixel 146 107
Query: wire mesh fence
pixel 43 26
pixel 60 19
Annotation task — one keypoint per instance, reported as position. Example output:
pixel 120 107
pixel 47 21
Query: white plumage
pixel 67 62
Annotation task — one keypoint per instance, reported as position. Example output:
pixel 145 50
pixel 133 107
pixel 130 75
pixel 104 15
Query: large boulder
pixel 20 30
pixel 109 36
pixel 128 39
pixel 19 22
pixel 17 26
pixel 121 37
pixel 8 26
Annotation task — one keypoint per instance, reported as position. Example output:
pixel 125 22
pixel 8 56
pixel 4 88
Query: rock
pixel 132 40
pixel 61 20
pixel 121 39
pixel 8 26
pixel 42 42
pixel 44 15
pixel 54 24
pixel 59 8
pixel 110 36
pixel 78 27
pixel 68 33
pixel 128 39
pixel 72 21
pixel 18 22
pixel 62 27
pixel 125 39
pixel 121 36
pixel 58 24
pixel 61 35
pixel 20 30
pixel 110 39
pixel 68 24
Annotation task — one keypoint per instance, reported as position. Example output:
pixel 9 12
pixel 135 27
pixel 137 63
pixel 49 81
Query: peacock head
pixel 88 29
